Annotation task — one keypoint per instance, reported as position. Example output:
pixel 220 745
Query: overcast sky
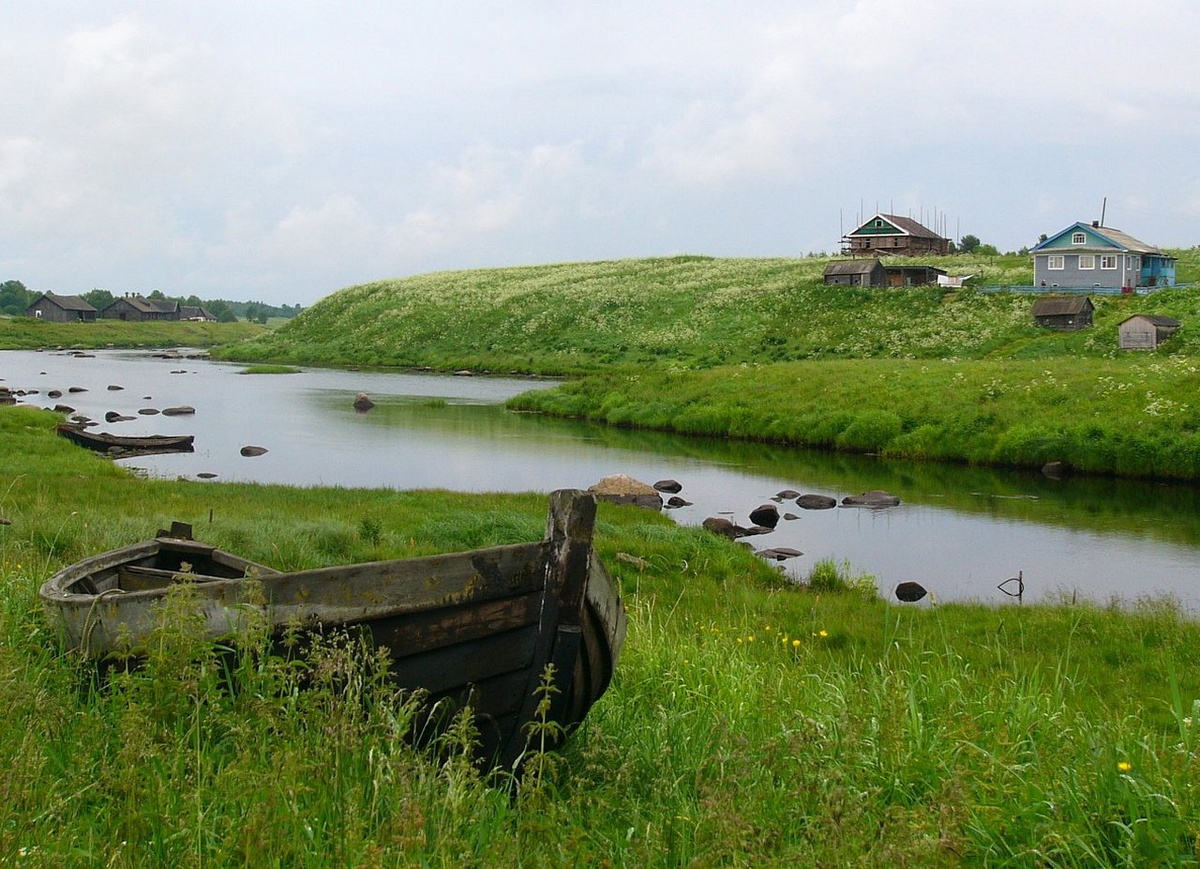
pixel 278 151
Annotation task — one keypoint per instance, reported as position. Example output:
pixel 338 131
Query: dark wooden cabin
pixel 856 273
pixel 140 308
pixel 1067 313
pixel 912 276
pixel 61 309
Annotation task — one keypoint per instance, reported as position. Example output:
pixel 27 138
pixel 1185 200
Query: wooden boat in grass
pixel 121 444
pixel 474 628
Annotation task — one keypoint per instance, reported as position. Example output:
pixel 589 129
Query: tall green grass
pixel 28 333
pixel 1134 416
pixel 750 722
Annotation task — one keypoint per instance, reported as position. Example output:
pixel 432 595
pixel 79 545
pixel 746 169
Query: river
pixel 959 531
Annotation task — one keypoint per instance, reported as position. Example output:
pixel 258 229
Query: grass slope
pixel 692 312
pixel 1131 416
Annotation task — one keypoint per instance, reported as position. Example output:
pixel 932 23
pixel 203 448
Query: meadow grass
pixel 750 722
pixel 685 312
pixel 1136 416
pixel 28 333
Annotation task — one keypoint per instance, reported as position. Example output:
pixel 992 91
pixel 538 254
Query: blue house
pixel 1086 256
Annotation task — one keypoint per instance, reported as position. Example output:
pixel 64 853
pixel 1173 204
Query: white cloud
pixel 235 149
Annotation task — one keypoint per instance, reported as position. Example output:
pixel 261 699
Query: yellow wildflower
pixel 795 643
pixel 1124 766
pixel 824 633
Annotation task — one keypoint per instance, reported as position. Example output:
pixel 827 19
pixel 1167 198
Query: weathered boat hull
pixel 107 443
pixel 476 628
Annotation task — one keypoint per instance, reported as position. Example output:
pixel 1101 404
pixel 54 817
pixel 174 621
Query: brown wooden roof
pixel 69 303
pixel 1058 306
pixel 1155 319
pixel 851 267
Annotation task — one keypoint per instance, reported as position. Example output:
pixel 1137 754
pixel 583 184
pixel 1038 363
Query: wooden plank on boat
pixel 443 669
pixel 412 632
pixel 358 592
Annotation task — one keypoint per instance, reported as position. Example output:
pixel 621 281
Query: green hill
pixel 691 312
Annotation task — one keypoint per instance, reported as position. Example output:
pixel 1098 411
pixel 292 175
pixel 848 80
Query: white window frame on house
pixel 1079 238
pixel 1087 261
pixel 1108 262
pixel 1056 262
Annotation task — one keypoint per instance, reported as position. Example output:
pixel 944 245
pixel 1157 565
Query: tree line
pixel 15 299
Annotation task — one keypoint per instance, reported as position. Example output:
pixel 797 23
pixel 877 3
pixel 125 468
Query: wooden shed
pixel 138 308
pixel 1145 331
pixel 1063 312
pixel 61 309
pixel 913 276
pixel 856 273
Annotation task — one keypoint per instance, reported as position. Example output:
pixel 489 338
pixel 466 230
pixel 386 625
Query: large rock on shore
pixel 623 489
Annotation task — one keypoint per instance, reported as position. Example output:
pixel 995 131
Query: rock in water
pixel 720 526
pixel 253 451
pixel 816 502
pixel 875 498
pixel 623 489
pixel 362 401
pixel 766 515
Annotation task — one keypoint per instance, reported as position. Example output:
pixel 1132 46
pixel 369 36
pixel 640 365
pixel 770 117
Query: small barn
pixel 61 309
pixel 140 308
pixel 913 276
pixel 196 312
pixel 856 273
pixel 1145 331
pixel 1067 313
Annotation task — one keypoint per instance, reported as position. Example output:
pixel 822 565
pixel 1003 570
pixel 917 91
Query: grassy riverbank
pixel 1132 416
pixel 749 723
pixel 761 349
pixel 28 333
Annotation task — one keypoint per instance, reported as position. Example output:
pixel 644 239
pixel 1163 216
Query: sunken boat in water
pixel 478 628
pixel 104 442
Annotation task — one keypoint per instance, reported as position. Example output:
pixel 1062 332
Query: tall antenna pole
pixel 1103 208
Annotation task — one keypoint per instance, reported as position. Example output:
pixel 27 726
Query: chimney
pixel 1096 224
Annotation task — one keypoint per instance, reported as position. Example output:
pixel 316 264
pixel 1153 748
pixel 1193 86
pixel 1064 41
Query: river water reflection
pixel 959 531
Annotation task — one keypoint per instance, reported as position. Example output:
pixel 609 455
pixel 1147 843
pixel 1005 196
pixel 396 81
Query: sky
pixel 278 151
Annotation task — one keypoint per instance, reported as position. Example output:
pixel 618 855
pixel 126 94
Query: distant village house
pixel 1084 256
pixel 61 309
pixel 1066 313
pixel 196 312
pixel 892 235
pixel 1145 331
pixel 873 273
pixel 136 308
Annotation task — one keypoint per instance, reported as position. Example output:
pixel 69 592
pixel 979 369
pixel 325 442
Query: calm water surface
pixel 960 531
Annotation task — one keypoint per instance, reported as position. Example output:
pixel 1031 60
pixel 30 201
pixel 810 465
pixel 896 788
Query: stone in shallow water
pixel 623 489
